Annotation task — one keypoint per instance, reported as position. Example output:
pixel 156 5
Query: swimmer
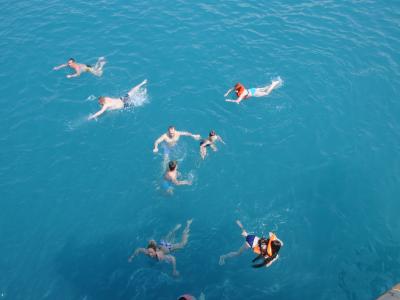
pixel 108 103
pixel 161 251
pixel 97 70
pixel 171 138
pixel 170 177
pixel 243 94
pixel 190 297
pixel 267 249
pixel 209 142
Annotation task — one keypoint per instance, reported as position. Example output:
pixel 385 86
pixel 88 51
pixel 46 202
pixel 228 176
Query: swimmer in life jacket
pixel 265 248
pixel 209 142
pixel 242 93
pixel 161 251
pixel 108 103
pixel 97 70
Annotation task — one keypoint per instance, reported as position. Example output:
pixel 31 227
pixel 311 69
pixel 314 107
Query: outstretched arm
pixel 186 133
pixel 157 142
pixel 60 66
pixel 221 140
pixel 228 92
pixel 181 182
pixel 101 111
pixel 136 252
pixel 238 100
pixel 171 260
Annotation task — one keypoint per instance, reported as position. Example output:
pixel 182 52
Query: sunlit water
pixel 317 161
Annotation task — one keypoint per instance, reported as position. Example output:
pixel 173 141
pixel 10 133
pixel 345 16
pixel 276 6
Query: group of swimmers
pixel 266 248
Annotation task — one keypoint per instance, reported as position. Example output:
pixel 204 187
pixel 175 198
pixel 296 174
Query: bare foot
pixel 222 260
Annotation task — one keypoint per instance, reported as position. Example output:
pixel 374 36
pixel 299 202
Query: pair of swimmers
pixel 266 248
pixel 169 141
pixel 106 103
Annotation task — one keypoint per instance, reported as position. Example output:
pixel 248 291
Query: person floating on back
pixel 170 139
pixel 209 142
pixel 97 70
pixel 171 178
pixel 161 251
pixel 108 103
pixel 266 249
pixel 243 94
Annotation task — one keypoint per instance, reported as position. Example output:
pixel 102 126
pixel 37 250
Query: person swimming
pixel 97 70
pixel 170 178
pixel 209 142
pixel 161 251
pixel 264 248
pixel 108 103
pixel 190 297
pixel 242 93
pixel 171 137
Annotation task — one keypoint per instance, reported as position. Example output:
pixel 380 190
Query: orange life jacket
pixel 240 89
pixel 257 248
pixel 269 248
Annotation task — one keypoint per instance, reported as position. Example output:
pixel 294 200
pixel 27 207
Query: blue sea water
pixel 317 161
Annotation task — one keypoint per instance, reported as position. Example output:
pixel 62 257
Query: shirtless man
pixel 97 70
pixel 171 177
pixel 161 251
pixel 171 138
pixel 108 103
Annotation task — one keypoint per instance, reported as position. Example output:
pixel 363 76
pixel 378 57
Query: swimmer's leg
pixel 265 91
pixel 98 67
pixel 136 88
pixel 232 254
pixel 170 237
pixel 185 237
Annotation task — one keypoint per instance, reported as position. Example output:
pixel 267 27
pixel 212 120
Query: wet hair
pixel 276 246
pixel 152 245
pixel 212 133
pixel 172 165
pixel 171 127
pixel 101 99
pixel 183 298
pixel 71 59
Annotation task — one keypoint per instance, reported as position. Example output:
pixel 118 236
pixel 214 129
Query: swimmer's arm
pixel 137 251
pixel 272 261
pixel 186 133
pixel 171 260
pixel 74 75
pixel 181 182
pixel 101 111
pixel 257 258
pixel 60 66
pixel 158 141
pixel 228 92
pixel 221 140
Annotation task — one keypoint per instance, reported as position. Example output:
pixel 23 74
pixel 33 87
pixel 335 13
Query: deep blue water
pixel 317 161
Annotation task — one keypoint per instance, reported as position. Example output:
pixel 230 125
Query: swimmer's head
pixel 102 100
pixel 185 297
pixel 172 165
pixel 71 61
pixel 212 133
pixel 171 130
pixel 152 248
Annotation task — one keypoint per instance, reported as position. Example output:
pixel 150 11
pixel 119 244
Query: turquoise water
pixel 317 161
